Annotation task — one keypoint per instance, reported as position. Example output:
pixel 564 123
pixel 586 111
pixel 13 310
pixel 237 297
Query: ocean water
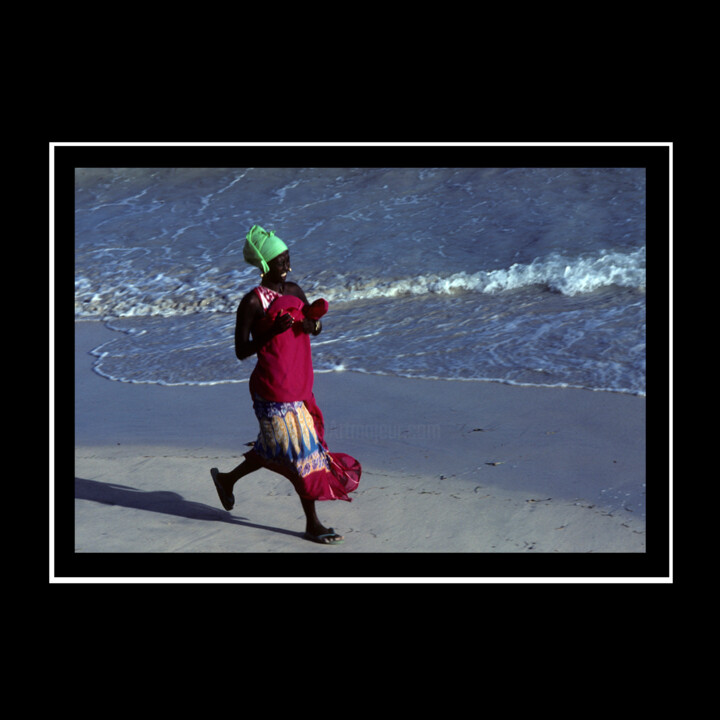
pixel 519 275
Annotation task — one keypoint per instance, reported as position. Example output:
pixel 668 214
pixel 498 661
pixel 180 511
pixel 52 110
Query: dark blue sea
pixel 523 275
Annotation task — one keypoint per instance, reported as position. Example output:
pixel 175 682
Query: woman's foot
pixel 314 529
pixel 224 488
pixel 323 535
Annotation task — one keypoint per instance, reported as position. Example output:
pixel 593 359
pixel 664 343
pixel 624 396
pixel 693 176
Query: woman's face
pixel 279 267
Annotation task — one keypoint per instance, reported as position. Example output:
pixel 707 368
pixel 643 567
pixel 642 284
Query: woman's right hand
pixel 281 323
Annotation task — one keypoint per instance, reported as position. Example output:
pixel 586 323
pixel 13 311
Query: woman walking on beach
pixel 275 321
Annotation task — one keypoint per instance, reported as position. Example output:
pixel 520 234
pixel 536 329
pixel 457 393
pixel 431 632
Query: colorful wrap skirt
pixel 288 444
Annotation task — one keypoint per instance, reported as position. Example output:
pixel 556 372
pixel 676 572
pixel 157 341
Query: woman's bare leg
pixel 313 526
pixel 225 481
pixel 249 465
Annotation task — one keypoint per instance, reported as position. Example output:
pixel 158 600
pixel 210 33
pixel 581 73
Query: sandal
pixel 227 499
pixel 328 538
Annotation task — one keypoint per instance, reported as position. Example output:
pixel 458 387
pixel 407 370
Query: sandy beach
pixel 465 479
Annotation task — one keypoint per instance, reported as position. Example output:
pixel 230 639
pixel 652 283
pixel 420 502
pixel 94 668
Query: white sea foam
pixel 556 273
pixel 213 291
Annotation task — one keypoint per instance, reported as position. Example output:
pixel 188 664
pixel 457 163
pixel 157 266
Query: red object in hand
pixel 316 310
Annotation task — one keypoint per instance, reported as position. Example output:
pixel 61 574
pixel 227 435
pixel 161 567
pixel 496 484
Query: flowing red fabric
pixel 284 373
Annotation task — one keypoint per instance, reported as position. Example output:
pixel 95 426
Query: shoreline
pixel 481 471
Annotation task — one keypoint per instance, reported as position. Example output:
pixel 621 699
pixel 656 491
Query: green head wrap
pixel 261 247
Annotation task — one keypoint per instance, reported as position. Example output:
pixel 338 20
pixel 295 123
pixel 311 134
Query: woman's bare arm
pixel 248 311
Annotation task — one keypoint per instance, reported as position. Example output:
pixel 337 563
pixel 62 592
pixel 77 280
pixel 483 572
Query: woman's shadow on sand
pixel 161 501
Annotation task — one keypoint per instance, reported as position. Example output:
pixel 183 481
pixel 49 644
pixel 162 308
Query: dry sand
pixel 461 479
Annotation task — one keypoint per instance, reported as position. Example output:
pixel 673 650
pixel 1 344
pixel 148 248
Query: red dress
pixel 292 431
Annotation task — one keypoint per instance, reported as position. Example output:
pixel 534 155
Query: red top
pixel 284 371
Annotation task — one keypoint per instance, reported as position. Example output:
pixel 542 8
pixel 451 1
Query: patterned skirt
pixel 288 444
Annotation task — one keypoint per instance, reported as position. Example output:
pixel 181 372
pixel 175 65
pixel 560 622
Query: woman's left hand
pixel 308 326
